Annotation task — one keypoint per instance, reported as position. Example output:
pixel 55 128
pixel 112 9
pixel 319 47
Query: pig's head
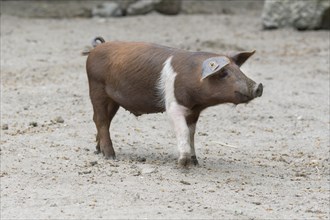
pixel 226 82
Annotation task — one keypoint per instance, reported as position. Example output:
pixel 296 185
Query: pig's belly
pixel 137 102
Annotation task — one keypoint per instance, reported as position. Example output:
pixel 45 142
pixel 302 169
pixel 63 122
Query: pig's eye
pixel 223 74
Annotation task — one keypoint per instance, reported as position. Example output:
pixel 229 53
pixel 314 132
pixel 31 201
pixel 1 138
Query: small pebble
pixel 85 172
pixel 93 163
pixel 5 127
pixel 202 134
pixel 300 174
pixel 59 119
pixel 185 182
pixel 141 159
pixel 135 173
pixel 33 124
pixel 148 170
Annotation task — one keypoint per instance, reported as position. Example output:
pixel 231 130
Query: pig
pixel 146 78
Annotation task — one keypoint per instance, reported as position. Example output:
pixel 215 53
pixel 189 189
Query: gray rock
pixel 33 124
pixel 326 20
pixel 148 170
pixel 5 127
pixel 108 9
pixel 141 7
pixel 300 14
pixel 59 119
pixel 168 7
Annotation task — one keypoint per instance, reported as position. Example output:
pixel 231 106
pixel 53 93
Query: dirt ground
pixel 265 160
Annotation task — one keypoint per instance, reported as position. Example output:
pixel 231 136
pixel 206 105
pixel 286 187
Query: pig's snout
pixel 257 91
pixel 254 90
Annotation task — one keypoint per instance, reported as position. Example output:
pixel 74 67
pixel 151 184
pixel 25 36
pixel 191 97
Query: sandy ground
pixel 265 160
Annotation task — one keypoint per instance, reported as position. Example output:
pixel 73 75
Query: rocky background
pixel 103 8
pixel 265 160
pixel 300 14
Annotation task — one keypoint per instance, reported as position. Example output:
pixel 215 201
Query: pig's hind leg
pixel 104 110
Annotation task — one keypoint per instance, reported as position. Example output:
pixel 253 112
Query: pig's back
pixel 130 73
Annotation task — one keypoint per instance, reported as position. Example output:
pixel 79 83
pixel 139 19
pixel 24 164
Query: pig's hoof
pixel 108 152
pixel 184 162
pixel 98 149
pixel 194 160
pixel 111 157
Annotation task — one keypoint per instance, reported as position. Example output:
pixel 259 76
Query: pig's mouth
pixel 241 98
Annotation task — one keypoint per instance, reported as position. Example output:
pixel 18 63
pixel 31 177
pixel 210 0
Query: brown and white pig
pixel 148 78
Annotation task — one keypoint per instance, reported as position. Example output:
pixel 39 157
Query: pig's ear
pixel 240 57
pixel 213 65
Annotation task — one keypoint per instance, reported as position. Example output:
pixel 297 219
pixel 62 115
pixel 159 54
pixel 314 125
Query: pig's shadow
pixel 169 159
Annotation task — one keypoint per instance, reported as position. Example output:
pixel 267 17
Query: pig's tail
pixel 97 40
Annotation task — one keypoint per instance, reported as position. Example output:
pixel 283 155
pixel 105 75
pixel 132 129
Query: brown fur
pixel 127 74
pixel 136 71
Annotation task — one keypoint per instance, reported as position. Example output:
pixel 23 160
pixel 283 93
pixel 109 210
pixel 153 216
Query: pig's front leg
pixel 192 129
pixel 177 114
pixel 192 121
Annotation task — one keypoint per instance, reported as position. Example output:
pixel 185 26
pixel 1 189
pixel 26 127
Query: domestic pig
pixel 148 78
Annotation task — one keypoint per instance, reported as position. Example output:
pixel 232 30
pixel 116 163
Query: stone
pixel 168 7
pixel 299 14
pixel 59 119
pixel 5 127
pixel 107 9
pixel 33 124
pixel 185 182
pixel 141 7
pixel 148 170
